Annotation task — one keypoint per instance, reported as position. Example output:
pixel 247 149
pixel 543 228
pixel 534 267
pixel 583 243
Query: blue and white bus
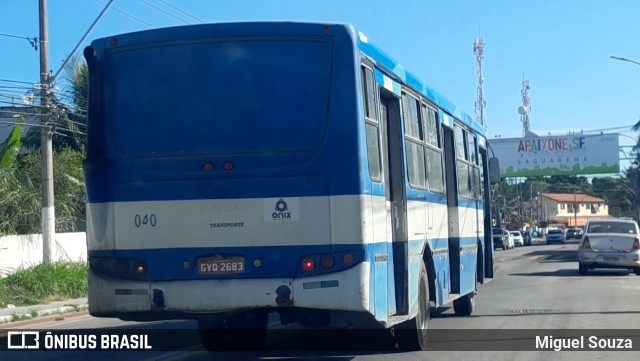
pixel 240 169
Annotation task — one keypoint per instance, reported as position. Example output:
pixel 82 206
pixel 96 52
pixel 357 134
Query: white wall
pixel 19 252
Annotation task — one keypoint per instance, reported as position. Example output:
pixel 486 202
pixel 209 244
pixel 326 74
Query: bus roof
pixel 397 69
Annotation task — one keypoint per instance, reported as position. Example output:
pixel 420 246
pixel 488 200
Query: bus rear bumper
pixel 113 297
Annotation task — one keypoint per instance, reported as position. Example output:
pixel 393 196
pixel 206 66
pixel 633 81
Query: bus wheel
pixel 412 334
pixel 464 305
pixel 245 331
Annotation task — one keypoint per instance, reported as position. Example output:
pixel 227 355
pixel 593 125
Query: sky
pixel 562 47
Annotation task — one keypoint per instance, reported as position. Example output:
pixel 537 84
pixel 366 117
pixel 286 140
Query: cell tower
pixel 525 109
pixel 478 50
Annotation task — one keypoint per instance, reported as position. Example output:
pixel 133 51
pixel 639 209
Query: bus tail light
pixel 140 268
pixel 308 264
pixel 118 267
pixel 327 261
pixel 636 243
pixel 585 243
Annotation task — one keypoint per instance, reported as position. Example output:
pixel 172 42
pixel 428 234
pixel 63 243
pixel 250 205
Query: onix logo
pixel 23 339
pixel 281 205
pixel 281 210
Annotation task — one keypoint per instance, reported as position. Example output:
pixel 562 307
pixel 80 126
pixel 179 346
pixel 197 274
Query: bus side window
pixel 414 138
pixel 433 152
pixel 371 124
pixel 462 158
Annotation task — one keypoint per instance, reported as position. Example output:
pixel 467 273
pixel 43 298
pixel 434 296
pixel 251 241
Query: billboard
pixel 557 155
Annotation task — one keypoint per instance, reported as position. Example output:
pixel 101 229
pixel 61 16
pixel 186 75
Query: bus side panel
pixel 415 263
pixel 468 245
pixel 438 248
pixel 377 225
pixel 417 234
pixel 439 243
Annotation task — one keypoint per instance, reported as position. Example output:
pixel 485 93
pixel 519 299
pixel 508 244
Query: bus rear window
pixel 224 97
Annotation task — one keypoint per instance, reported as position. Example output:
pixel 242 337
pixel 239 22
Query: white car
pixel 610 243
pixel 502 239
pixel 518 240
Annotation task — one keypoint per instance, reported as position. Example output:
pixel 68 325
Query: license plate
pixel 610 259
pixel 220 265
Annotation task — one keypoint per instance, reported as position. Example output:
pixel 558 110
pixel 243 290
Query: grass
pixel 44 283
pixel 17 318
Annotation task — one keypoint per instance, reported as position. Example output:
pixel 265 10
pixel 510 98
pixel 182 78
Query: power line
pixel 184 12
pixel 163 11
pixel 127 14
pixel 26 125
pixel 82 39
pixel 32 41
pixel 607 129
pixel 16 81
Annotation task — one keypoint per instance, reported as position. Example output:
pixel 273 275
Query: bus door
pixel 451 186
pixel 486 202
pixel 395 195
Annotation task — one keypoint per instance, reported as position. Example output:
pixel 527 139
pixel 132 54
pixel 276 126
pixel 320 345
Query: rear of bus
pixel 222 171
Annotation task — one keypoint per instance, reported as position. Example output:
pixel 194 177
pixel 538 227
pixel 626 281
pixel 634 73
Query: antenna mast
pixel 525 108
pixel 478 50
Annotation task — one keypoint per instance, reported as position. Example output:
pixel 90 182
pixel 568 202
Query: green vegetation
pixel 20 164
pixel 21 199
pixel 44 283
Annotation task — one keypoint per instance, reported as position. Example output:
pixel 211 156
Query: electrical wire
pixel 127 14
pixel 32 41
pixel 180 10
pixel 164 11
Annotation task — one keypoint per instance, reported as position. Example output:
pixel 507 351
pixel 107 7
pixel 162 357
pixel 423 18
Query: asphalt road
pixel 537 287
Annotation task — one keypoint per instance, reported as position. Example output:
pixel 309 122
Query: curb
pixel 17 317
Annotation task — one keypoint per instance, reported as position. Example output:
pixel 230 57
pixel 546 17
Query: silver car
pixel 555 235
pixel 610 244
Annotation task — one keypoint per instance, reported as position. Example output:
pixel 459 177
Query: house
pixel 573 210
pixel 10 116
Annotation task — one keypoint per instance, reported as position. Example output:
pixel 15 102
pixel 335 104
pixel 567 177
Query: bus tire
pixel 411 335
pixel 245 331
pixel 465 305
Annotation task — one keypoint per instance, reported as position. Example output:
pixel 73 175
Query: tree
pixel 630 183
pixel 10 147
pixel 20 196
pixel 68 113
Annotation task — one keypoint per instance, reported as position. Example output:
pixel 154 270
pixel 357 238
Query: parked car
pixel 610 243
pixel 526 236
pixel 502 239
pixel 574 233
pixel 555 235
pixel 518 240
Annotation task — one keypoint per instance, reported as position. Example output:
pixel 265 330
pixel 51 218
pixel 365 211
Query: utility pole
pixel 575 211
pixel 46 143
